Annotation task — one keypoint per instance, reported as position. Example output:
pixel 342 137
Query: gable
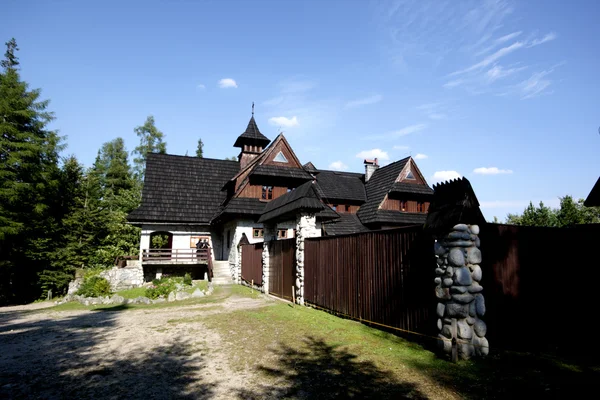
pixel 281 154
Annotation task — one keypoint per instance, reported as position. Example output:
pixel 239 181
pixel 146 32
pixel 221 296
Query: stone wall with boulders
pixel 128 277
pixel 461 304
pixel 306 227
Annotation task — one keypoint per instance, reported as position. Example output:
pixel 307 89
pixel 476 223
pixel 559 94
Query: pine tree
pixel 151 141
pixel 200 149
pixel 29 180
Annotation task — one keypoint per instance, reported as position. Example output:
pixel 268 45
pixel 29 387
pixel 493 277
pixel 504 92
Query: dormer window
pixel 280 158
pixel 267 193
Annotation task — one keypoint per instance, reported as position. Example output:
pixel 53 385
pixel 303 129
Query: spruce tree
pixel 29 181
pixel 200 149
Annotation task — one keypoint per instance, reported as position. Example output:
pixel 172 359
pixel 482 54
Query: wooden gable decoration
pixel 411 174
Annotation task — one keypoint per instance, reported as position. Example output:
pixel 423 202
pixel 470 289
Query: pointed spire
pixel 252 109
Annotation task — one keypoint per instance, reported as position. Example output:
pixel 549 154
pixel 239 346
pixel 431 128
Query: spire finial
pixel 253 109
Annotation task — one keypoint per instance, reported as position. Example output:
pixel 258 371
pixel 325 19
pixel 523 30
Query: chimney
pixel 248 154
pixel 370 167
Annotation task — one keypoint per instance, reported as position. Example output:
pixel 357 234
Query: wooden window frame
pixel 403 205
pixel 267 193
pixel 347 208
pixel 258 233
pixel 282 233
pixel 420 207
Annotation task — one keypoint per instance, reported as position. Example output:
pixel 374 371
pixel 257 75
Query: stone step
pixel 222 281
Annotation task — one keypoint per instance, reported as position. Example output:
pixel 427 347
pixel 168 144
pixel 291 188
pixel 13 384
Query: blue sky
pixel 505 93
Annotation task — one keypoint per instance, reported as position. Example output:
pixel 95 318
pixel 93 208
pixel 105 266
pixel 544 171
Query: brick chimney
pixel 370 167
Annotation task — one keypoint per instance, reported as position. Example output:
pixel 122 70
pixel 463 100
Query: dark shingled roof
pixel 333 185
pixel 399 217
pixel 345 224
pixel 182 189
pixel 252 136
pixel 593 199
pixel 454 202
pixel 402 187
pixel 304 197
pixel 377 187
pixel 240 206
pixel 284 172
pixel 310 167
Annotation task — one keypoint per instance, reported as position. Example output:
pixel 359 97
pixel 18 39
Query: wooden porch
pixel 177 256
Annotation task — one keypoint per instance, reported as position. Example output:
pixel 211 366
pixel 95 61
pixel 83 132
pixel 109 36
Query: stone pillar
pixel 269 232
pixel 237 275
pixel 144 242
pixel 459 293
pixel 306 226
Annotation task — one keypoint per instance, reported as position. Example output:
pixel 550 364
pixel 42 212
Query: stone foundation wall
pixel 129 277
pixel 461 304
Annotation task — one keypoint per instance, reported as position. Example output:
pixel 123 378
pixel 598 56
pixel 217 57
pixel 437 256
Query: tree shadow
pixel 323 371
pixel 69 358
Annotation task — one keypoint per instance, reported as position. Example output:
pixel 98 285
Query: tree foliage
pixel 200 149
pixel 151 141
pixel 568 214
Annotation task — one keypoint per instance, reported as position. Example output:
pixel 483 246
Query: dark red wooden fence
pixel 282 267
pixel 540 285
pixel 384 276
pixel 252 267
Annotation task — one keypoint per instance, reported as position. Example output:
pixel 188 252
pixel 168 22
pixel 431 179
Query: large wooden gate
pixel 252 269
pixel 282 267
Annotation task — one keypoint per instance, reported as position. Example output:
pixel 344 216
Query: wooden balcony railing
pixel 177 256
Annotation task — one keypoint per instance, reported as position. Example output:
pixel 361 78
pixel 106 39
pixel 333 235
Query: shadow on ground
pixel 323 371
pixel 70 357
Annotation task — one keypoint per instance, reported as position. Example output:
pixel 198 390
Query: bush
pixel 162 287
pixel 187 279
pixel 94 286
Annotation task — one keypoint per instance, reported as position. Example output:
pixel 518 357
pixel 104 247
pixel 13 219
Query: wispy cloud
pixel 491 171
pixel 401 147
pixel 491 58
pixel 365 101
pixel 227 83
pixel 284 121
pixel 547 38
pixel 434 111
pixel 499 72
pixel 536 85
pixel 440 176
pixel 200 87
pixel 373 153
pixel 296 86
pixel 338 166
pixel 508 37
pixel 407 130
pixel 421 156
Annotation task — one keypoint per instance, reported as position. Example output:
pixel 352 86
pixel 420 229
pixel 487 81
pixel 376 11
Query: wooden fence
pixel 540 285
pixel 252 268
pixel 384 277
pixel 282 267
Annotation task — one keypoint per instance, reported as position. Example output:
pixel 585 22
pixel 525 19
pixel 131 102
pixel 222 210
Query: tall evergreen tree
pixel 29 180
pixel 200 149
pixel 151 141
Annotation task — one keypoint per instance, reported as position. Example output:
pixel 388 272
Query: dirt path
pixel 127 354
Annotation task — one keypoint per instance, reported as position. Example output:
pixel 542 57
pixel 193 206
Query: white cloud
pixel 338 166
pixel 439 176
pixel 454 83
pixel 365 101
pixel 401 147
pixel 535 85
pixel 227 83
pixel 409 129
pixel 498 72
pixel 421 156
pixel 508 37
pixel 549 37
pixel 491 171
pixel 201 87
pixel 491 58
pixel 373 153
pixel 284 121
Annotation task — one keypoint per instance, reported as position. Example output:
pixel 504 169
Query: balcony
pixel 177 256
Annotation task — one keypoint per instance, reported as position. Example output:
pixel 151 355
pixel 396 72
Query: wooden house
pixel 189 199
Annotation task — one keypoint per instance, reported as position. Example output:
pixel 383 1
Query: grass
pixel 133 293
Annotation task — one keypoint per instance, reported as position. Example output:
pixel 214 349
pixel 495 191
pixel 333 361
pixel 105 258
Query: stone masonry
pixel 128 277
pixel 306 226
pixel 268 233
pixel 459 293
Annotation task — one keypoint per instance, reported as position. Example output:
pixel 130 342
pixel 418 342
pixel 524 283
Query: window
pixel 347 208
pixel 420 207
pixel 402 205
pixel 294 233
pixel 410 175
pixel 281 233
pixel 258 232
pixel 334 206
pixel 289 189
pixel 280 158
pixel 267 192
